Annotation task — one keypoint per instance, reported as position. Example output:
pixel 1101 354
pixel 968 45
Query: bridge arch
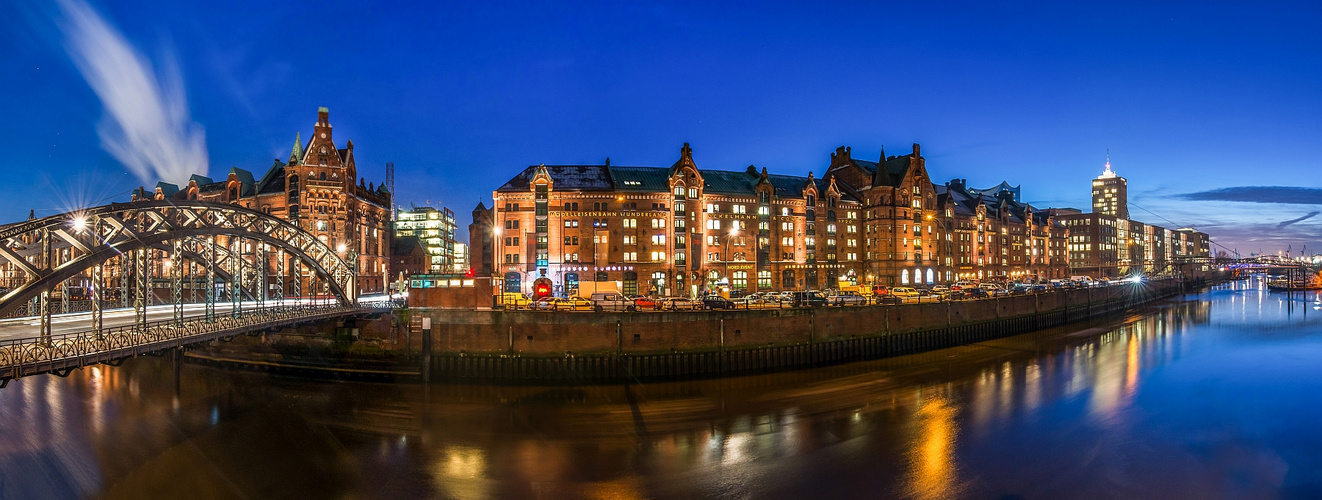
pixel 99 234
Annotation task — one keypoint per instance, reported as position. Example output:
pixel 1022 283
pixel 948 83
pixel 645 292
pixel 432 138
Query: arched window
pixel 322 176
pixel 930 276
pixel 904 277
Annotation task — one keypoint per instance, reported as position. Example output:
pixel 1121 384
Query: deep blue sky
pixel 1193 100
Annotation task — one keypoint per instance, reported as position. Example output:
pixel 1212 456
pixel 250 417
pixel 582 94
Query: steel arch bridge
pixel 231 243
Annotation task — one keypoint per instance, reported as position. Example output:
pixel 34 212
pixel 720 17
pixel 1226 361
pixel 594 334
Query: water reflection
pixel 1192 389
pixel 933 473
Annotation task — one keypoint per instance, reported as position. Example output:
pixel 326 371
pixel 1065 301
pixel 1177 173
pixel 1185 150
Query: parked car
pixel 645 303
pixel 746 301
pixel 903 291
pixel 717 302
pixel 515 300
pixel 678 304
pixel 571 304
pixel 976 293
pixel 847 299
pixel 611 301
pixel 543 304
pixel 807 299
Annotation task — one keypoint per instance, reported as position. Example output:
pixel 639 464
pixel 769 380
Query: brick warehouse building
pixel 681 230
pixel 319 190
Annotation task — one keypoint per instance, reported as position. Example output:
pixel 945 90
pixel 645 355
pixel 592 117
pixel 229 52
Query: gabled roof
pixel 654 179
pixel 638 178
pixel 566 177
pixel 200 180
pixel 245 180
pixel 870 166
pixel 727 182
pixel 274 180
pixel 167 189
pixel 896 168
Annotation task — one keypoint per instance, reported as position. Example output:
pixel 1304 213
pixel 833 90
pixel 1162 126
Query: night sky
pixel 1213 111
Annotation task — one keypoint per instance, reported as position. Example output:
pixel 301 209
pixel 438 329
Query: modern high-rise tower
pixel 1108 193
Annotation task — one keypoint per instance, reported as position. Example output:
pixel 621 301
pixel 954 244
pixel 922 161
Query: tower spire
pixel 1108 173
pixel 296 155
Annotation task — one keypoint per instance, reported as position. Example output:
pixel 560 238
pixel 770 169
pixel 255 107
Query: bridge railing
pixel 43 354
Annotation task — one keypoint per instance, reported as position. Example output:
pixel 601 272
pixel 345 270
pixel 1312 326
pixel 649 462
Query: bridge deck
pixel 60 352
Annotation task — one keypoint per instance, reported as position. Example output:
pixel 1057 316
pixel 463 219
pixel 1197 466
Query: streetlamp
pixel 734 230
pixel 729 236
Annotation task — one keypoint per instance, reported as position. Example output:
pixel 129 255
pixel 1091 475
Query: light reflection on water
pixel 933 473
pixel 1214 396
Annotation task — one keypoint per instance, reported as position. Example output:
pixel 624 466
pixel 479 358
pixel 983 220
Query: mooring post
pixel 426 350
pixel 619 337
pixel 811 329
pixel 720 348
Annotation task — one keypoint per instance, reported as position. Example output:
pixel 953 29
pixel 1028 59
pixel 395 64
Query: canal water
pixel 1214 395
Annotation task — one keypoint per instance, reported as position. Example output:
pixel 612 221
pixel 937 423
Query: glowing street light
pixel 340 248
pixel 79 223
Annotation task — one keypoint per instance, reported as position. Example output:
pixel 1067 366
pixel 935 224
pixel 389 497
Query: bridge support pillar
pixel 211 280
pixel 98 280
pixel 260 264
pixel 45 317
pixel 141 275
pixel 177 282
pixel 236 277
pixel 280 277
pixel 125 270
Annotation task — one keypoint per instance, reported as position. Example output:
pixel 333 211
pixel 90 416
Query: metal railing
pixel 25 356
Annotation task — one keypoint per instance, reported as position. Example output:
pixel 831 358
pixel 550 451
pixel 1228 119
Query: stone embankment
pixel 566 347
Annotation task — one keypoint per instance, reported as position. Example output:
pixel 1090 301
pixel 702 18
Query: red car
pixel 645 303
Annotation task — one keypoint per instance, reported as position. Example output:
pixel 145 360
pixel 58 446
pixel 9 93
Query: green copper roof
pixel 297 154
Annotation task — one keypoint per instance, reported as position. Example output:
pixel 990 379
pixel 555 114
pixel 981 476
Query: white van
pixel 611 301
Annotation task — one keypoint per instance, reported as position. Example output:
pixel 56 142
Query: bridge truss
pixel 192 251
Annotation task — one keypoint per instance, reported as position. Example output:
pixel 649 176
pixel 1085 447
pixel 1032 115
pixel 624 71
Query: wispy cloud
pixel 1261 194
pixel 146 125
pixel 1300 219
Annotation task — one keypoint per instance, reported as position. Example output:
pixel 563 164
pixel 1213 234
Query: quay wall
pixel 589 347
